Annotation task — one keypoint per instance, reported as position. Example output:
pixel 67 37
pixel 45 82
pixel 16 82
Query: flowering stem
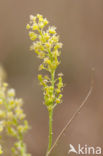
pixel 51 116
pixel 50 129
pixel 47 46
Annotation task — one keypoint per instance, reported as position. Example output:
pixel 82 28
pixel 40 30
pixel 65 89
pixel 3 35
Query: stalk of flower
pixel 46 44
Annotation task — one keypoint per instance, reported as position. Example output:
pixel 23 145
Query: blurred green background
pixel 80 25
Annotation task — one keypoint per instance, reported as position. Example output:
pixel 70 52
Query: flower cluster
pixel 12 119
pixel 47 46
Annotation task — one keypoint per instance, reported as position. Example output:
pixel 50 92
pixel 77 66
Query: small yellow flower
pixel 1 101
pixel 11 92
pixel 40 17
pixel 35 27
pixel 57 101
pixel 2 114
pixel 28 26
pixel 32 35
pixel 45 21
pixel 10 115
pixel 47 61
pixel 32 18
pixel 18 111
pixel 41 67
pixel 5 84
pixel 52 30
pixel 1 151
pixel 41 55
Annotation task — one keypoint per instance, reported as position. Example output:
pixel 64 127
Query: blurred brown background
pixel 80 25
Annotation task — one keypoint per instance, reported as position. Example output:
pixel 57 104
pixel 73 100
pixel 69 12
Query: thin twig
pixel 73 116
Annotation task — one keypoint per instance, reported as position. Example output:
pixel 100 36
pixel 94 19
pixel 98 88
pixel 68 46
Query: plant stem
pixel 50 129
pixel 51 116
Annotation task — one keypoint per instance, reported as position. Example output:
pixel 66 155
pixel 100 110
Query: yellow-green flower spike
pixel 12 118
pixel 47 47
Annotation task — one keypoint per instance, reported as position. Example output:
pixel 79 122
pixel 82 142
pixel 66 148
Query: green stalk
pixel 51 116
pixel 50 129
